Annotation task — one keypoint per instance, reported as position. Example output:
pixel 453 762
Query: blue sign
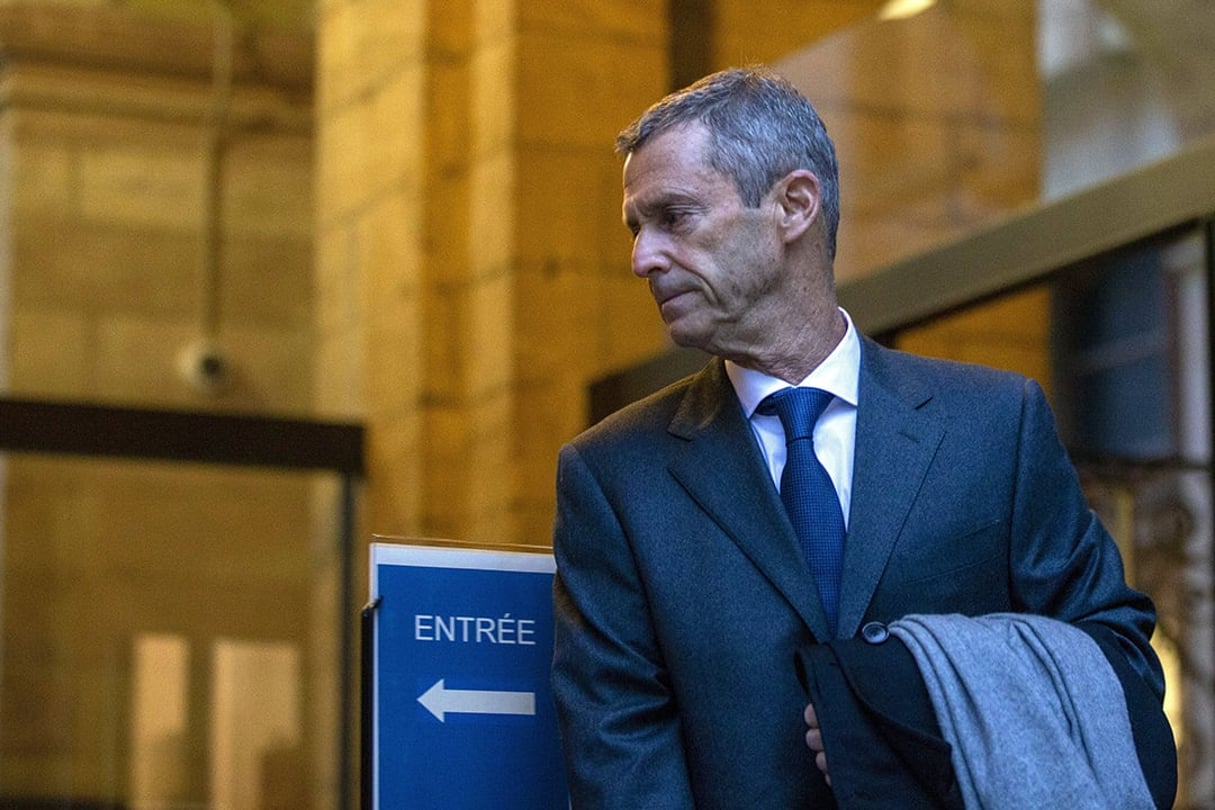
pixel 462 712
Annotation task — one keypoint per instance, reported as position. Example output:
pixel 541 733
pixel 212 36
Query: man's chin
pixel 687 338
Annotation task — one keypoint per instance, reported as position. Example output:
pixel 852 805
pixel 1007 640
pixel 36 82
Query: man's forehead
pixel 687 139
pixel 673 158
pixel 654 193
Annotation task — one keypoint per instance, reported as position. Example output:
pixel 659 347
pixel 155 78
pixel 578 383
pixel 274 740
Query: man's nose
pixel 649 254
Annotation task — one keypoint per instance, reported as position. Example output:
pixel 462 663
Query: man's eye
pixel 671 219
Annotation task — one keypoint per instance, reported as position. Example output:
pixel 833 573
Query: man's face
pixel 713 265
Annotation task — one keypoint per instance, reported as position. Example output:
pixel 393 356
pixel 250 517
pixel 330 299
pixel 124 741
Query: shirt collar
pixel 839 373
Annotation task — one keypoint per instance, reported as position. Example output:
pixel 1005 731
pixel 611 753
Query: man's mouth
pixel 670 302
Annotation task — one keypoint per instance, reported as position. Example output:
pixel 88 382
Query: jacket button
pixel 875 632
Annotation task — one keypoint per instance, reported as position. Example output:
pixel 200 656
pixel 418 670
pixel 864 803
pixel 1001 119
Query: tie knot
pixel 798 410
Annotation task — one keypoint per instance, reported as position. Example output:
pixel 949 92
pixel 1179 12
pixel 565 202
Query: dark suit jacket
pixel 681 595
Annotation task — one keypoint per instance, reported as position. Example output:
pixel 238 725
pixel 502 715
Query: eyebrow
pixel 665 200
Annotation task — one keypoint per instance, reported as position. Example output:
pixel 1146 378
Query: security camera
pixel 204 366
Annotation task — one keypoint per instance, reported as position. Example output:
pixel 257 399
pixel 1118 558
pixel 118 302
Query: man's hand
pixel 814 739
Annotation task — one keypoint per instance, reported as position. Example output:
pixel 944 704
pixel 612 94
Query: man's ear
pixel 798 196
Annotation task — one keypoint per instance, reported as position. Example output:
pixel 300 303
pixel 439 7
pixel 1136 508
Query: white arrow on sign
pixel 440 701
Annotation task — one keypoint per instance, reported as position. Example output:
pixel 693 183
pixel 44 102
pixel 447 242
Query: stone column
pixel 472 272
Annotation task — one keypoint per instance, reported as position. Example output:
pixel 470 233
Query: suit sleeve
pixel 619 725
pixel 1065 564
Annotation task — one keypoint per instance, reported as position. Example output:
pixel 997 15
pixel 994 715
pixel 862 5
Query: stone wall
pixel 472 272
pixel 130 230
pixel 107 158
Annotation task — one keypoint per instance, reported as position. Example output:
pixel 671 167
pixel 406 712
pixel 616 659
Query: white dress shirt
pixel 835 432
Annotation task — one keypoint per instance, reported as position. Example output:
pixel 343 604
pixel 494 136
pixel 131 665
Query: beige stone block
pixel 335 53
pixel 497 20
pixel 1005 38
pixel 340 378
pixel 449 118
pixel 104 93
pixel 915 182
pixel 449 433
pixel 868 245
pixel 48 516
pixel 494 98
pixel 342 145
pixel 444 448
pixel 886 162
pixel 142 188
pixel 593 323
pixel 584 91
pixel 561 399
pixel 267 186
pixel 491 460
pixel 37 736
pixel 932 176
pixel 602 326
pixel 393 118
pixel 534 521
pixel 256 109
pixel 469 451
pixel 267 281
pixel 469 340
pixel 491 214
pixel 91 267
pixel 363 44
pixel 395 374
pixel 395 461
pixel 961 68
pixel 1001 168
pixel 1011 332
pixel 50 354
pixel 936 65
pixel 558 319
pixel 594 19
pixel 768 32
pixel 136 361
pixel 445 362
pixel 1022 357
pixel 551 409
pixel 490 525
pixel 371 148
pixel 271 369
pixel 325 7
pixel 338 284
pixel 452 26
pixel 572 202
pixel 489 339
pixel 390 244
pixel 450 240
pixel 87 129
pixel 272 84
pixel 630 326
pixel 44 178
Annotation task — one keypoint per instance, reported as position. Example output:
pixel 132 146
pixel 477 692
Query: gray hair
pixel 760 128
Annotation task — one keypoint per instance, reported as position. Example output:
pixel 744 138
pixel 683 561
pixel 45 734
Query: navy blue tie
pixel 807 492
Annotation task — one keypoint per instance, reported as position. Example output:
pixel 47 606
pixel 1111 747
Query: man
pixel 682 595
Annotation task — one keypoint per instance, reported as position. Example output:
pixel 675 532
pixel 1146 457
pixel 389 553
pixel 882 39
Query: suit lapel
pixel 723 471
pixel 895 443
